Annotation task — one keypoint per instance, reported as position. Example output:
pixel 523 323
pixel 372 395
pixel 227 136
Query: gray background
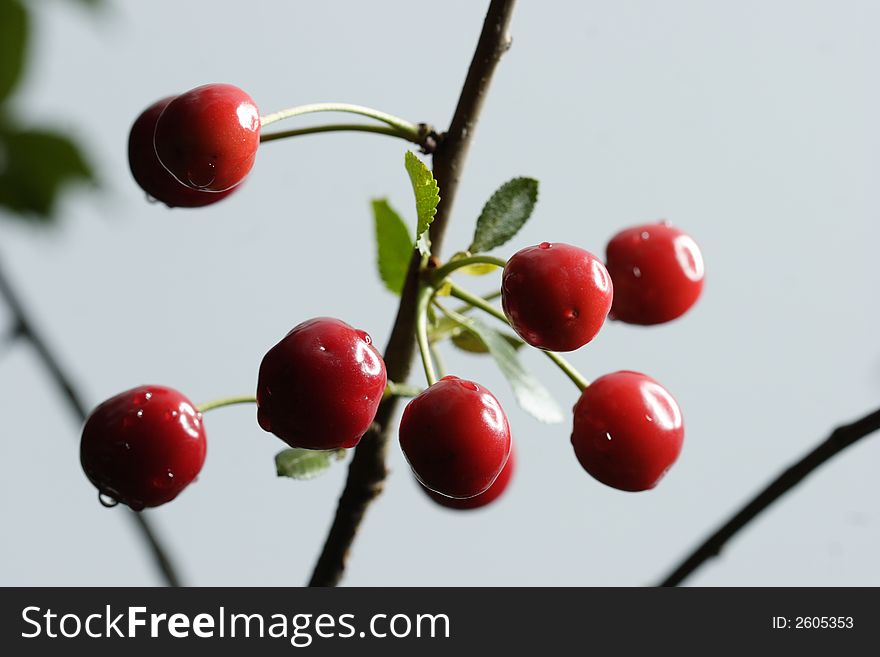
pixel 753 125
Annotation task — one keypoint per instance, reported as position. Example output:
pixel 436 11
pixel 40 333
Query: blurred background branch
pixel 37 164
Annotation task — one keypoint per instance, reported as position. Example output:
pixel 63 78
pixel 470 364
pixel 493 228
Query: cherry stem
pixel 567 368
pixel 346 127
pixel 228 401
pixel 442 272
pixel 402 125
pixel 393 389
pixel 423 301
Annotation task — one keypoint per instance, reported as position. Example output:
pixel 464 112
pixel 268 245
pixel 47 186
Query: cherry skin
pixel 456 437
pixel 628 430
pixel 149 173
pixel 207 138
pixel 657 271
pixel 320 387
pixel 143 446
pixel 483 499
pixel 556 296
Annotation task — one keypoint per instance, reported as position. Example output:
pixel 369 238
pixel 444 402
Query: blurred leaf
pixel 13 44
pixel 533 397
pixel 303 464
pixel 480 269
pixel 467 341
pixel 35 166
pixel 505 213
pixel 394 246
pixel 427 198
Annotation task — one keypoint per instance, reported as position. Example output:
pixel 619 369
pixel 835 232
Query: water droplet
pixel 171 415
pixel 470 385
pixel 152 199
pixel 572 313
pixel 544 245
pixel 140 412
pixel 107 501
pixel 649 418
pixel 148 396
pixel 367 338
pixel 645 235
pixel 637 272
pixel 665 222
pixel 164 481
pixel 322 348
pixel 607 435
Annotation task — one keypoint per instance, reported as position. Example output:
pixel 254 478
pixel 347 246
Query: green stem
pixel 343 127
pixel 393 389
pixel 394 121
pixel 228 401
pixel 442 272
pixel 567 368
pixel 422 303
pixel 441 369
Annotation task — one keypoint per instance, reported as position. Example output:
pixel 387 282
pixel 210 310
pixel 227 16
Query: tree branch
pixel 367 472
pixel 840 439
pixel 25 329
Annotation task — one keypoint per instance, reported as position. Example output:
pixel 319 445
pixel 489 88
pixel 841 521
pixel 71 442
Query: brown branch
pixel 367 472
pixel 24 329
pixel 840 439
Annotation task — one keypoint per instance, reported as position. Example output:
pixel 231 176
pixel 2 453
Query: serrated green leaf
pixel 427 198
pixel 469 342
pixel 394 246
pixel 504 214
pixel 13 44
pixel 533 397
pixel 303 464
pixel 38 165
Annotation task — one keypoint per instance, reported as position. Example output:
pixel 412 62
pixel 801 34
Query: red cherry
pixel 628 430
pixel 149 173
pixel 208 137
pixel 143 446
pixel 320 387
pixel 456 437
pixel 657 272
pixel 487 497
pixel 556 296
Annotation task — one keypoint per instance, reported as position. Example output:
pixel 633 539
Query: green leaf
pixel 467 341
pixel 13 44
pixel 38 165
pixel 394 246
pixel 427 198
pixel 303 464
pixel 504 214
pixel 534 398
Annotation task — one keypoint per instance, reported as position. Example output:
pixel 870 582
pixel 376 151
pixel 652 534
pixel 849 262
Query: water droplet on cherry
pixel 107 501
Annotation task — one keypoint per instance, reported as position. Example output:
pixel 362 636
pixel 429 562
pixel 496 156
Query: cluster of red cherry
pixel 320 387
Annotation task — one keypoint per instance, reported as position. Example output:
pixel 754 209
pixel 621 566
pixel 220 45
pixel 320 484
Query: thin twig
pixel 27 331
pixel 367 472
pixel 840 439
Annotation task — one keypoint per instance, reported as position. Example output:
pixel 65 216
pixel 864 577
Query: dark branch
pixel 367 472
pixel 25 330
pixel 840 439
